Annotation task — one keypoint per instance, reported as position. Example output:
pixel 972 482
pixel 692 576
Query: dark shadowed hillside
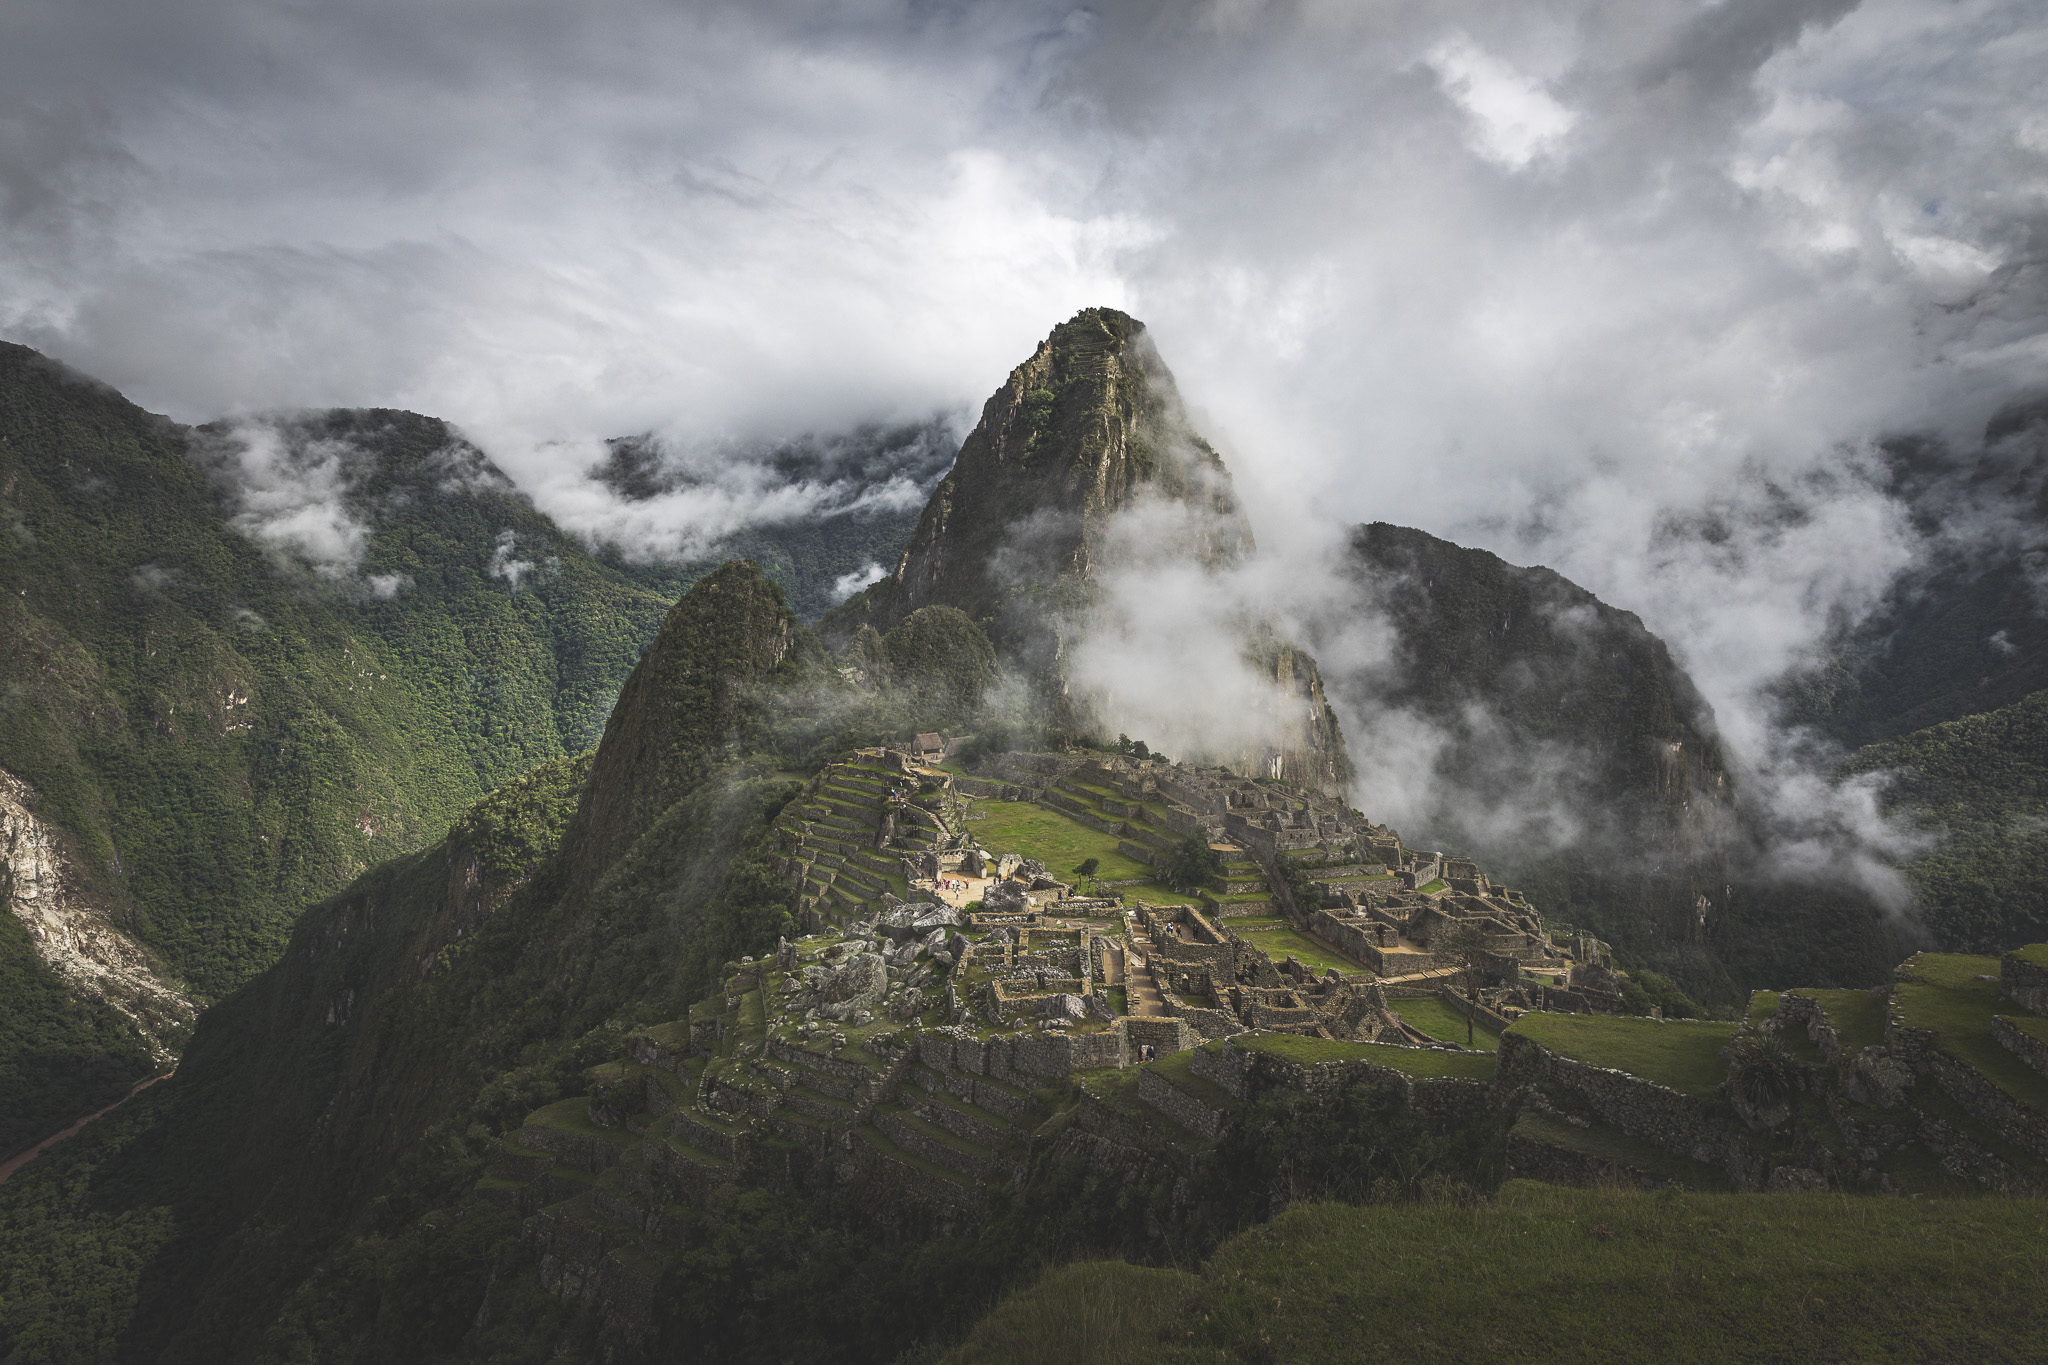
pixel 1572 754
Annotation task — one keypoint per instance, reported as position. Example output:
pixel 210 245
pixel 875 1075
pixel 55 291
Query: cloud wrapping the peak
pixel 1627 287
pixel 290 494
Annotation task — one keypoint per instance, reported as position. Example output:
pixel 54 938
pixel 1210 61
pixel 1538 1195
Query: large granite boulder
pixel 858 984
pixel 936 917
pixel 1063 1006
pixel 1004 898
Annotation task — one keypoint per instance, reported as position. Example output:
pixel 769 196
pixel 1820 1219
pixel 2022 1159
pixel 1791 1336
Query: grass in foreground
pixel 1545 1274
pixel 1684 1056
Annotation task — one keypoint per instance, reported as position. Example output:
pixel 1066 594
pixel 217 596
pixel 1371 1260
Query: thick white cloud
pixel 1624 286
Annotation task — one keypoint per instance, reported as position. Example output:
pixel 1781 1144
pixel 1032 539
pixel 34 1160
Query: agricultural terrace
pixel 1416 1061
pixel 1856 1016
pixel 1436 1017
pixel 1945 992
pixel 1683 1055
pixel 1277 939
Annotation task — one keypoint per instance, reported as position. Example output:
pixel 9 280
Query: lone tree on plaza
pixel 1189 863
pixel 1466 945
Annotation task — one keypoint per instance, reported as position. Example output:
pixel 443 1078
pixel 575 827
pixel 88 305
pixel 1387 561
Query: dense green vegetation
pixel 230 733
pixel 1190 863
pixel 355 1089
pixel 1544 1274
pixel 1978 787
pixel 1551 699
pixel 228 730
pixel 59 1054
pixel 78 1228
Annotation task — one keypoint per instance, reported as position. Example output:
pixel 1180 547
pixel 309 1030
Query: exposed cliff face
pixel 1091 422
pixel 42 885
pixel 1530 678
pixel 1021 533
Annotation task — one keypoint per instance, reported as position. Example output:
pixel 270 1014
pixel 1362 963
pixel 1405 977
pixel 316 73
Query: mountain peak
pixel 1080 431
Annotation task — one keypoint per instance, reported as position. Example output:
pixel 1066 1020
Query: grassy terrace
pixel 2034 955
pixel 1542 1274
pixel 1056 840
pixel 573 1116
pixel 1436 1018
pixel 1604 1144
pixel 1178 1068
pixel 1474 1066
pixel 1857 1017
pixel 1684 1056
pixel 1279 941
pixel 1948 998
pixel 1116 1089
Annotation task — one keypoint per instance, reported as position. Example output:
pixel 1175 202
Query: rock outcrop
pixel 1021 533
pixel 74 935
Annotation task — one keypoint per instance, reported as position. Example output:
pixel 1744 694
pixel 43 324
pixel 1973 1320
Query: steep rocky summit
pixel 1087 438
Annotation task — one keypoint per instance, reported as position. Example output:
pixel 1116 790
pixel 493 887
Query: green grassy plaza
pixel 1059 842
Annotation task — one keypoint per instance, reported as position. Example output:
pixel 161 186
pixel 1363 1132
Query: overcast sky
pixel 1569 280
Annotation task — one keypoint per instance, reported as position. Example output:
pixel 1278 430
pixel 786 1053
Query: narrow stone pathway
pixel 1141 992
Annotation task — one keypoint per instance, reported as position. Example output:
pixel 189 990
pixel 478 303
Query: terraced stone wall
pixel 1446 1101
pixel 1678 1123
pixel 2030 1048
pixel 2024 982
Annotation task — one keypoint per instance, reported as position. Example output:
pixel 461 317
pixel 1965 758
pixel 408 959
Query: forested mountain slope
pixel 243 664
pixel 1977 790
pixel 1572 754
pixel 351 1090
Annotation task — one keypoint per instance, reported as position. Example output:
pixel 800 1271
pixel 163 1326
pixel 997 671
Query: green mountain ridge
pixel 214 729
pixel 1977 789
